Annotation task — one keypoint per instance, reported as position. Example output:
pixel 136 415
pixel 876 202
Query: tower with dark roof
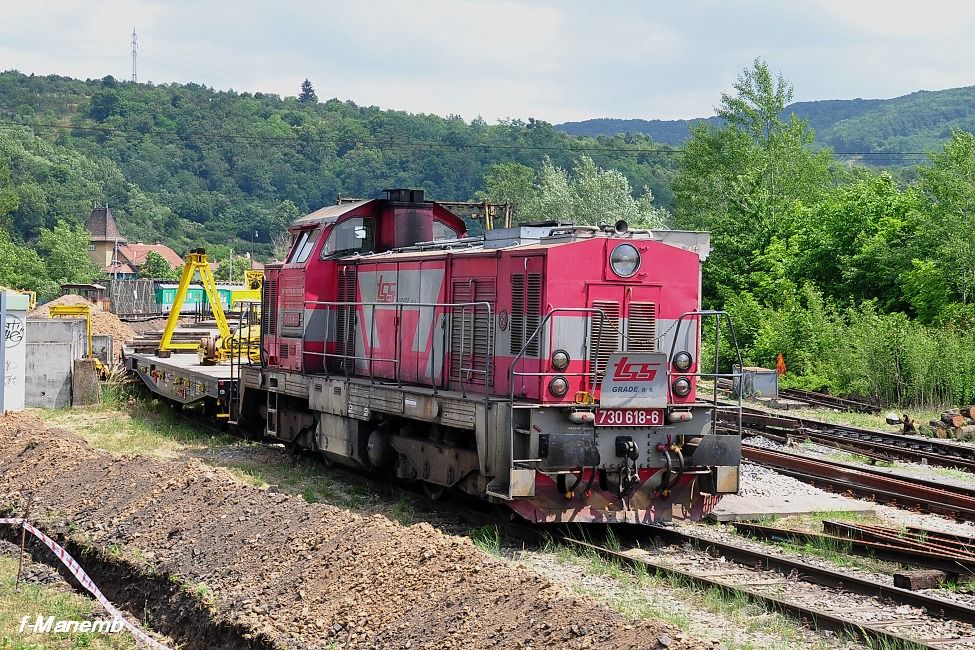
pixel 104 236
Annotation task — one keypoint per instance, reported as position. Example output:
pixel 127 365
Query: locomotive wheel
pixel 433 491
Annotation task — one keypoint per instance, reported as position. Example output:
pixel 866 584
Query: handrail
pixel 397 361
pixel 512 373
pixel 671 373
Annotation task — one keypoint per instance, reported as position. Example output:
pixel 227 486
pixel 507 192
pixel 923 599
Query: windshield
pixel 303 246
pixel 356 235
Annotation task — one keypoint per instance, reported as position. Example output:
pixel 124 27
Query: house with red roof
pixel 112 253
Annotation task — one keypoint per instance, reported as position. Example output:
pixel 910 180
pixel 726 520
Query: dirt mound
pixel 102 322
pixel 300 575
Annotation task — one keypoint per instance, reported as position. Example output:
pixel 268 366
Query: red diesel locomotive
pixel 549 367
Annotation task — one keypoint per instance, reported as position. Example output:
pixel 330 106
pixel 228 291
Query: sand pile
pixel 102 322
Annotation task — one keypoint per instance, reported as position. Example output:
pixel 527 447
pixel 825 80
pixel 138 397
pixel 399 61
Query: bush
pixel 857 351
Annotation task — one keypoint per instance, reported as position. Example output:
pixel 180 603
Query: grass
pixel 837 552
pixel 641 593
pixel 488 539
pixel 131 421
pixel 61 603
pixel 952 473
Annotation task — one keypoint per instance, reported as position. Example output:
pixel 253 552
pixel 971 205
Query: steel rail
pixel 944 499
pixel 906 540
pixel 893 447
pixel 831 401
pixel 817 618
pixel 932 451
pixel 891 474
pixel 889 550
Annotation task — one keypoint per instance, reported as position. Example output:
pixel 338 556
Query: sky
pixel 555 60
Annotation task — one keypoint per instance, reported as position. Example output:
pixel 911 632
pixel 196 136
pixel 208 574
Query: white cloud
pixel 551 59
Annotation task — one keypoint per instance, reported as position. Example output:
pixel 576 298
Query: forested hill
pixel 186 165
pixel 920 121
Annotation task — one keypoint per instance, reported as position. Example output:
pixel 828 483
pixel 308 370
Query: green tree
pixel 856 242
pixel 22 268
pixel 742 181
pixel 587 195
pixel 156 267
pixel 104 104
pixel 66 254
pixel 9 200
pixel 231 268
pixel 945 231
pixel 307 95
pixel 509 182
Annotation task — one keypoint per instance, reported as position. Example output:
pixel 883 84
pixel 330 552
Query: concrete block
pixel 53 344
pixel 49 368
pixel 733 507
pixel 60 330
pixel 85 390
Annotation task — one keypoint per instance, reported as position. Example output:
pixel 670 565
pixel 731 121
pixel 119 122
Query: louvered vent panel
pixel 470 330
pixel 271 313
pixel 517 313
pixel 604 335
pixel 641 327
pixel 533 308
pixel 345 316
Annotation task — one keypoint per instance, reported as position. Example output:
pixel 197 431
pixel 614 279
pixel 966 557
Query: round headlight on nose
pixel 683 361
pixel 625 260
pixel 558 386
pixel 560 359
pixel 681 387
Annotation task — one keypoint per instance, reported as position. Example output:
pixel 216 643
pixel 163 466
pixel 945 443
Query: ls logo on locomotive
pixel 635 371
pixel 386 291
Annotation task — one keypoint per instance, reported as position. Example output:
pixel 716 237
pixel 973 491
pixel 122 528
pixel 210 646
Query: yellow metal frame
pixel 84 311
pixel 254 281
pixel 196 261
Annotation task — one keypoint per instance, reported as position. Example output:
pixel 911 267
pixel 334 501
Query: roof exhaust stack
pixel 404 196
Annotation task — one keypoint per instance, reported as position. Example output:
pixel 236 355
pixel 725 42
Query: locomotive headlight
pixel 681 387
pixel 625 260
pixel 560 359
pixel 683 361
pixel 558 386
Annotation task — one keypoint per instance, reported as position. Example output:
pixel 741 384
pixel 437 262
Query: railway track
pixel 829 401
pixel 865 610
pixel 877 445
pixel 938 498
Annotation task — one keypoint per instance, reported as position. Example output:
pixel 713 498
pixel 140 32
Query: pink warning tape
pixel 85 581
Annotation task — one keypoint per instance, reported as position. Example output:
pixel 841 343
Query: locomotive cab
pixel 301 291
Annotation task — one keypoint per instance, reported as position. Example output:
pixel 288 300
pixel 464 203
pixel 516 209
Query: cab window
pixel 302 247
pixel 443 231
pixel 356 235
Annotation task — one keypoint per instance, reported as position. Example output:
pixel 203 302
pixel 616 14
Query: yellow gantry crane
pixel 211 350
pixel 196 262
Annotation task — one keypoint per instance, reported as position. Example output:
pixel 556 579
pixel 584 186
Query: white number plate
pixel 629 418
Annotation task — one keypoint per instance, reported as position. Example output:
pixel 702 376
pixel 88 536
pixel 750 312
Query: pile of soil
pixel 102 322
pixel 300 575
